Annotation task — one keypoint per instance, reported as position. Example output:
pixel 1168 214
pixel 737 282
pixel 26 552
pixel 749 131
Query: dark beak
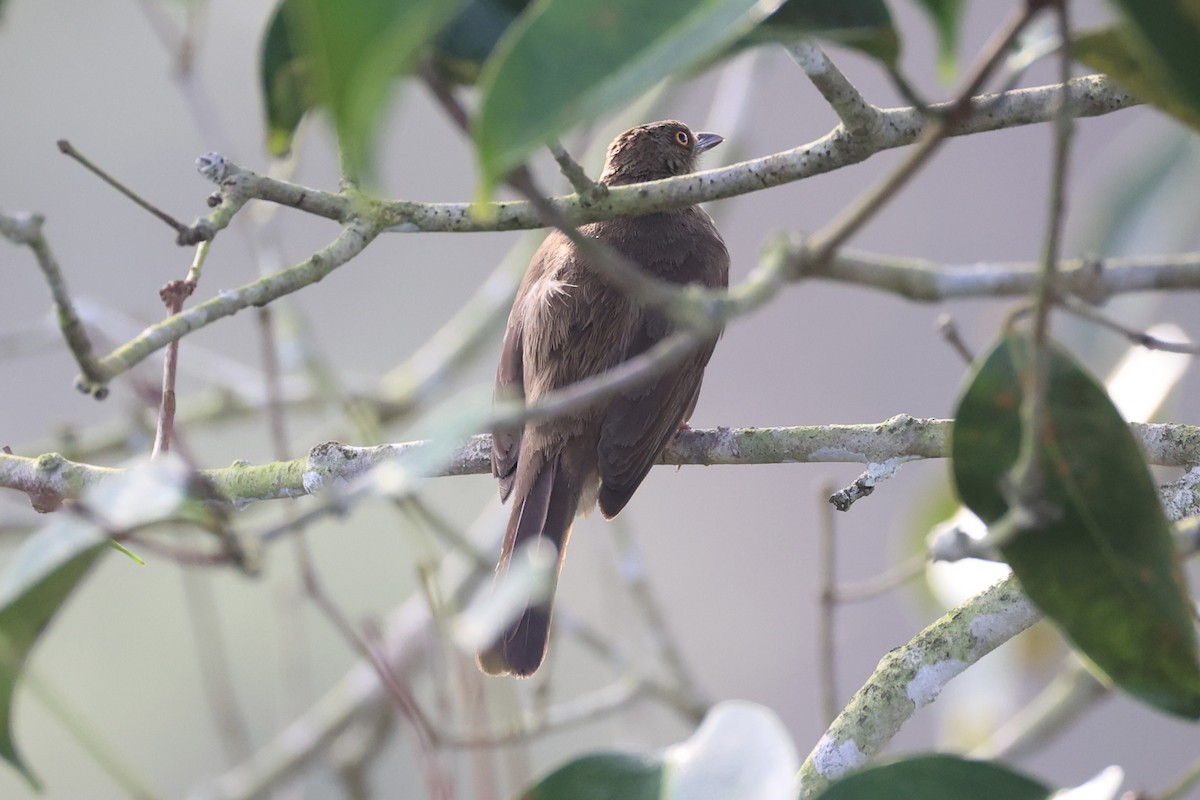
pixel 707 141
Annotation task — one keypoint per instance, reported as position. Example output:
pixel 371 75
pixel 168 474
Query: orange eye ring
pixel 682 138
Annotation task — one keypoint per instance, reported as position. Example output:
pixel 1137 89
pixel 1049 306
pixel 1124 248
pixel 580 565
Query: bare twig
pixel 350 242
pixel 1139 338
pixel 925 281
pixel 892 578
pixel 98 745
pixel 67 149
pixel 632 569
pixel 858 115
pixel 589 191
pixel 213 661
pixel 397 689
pixel 948 328
pixel 829 239
pixel 865 484
pixel 173 295
pixel 1025 485
pixel 1072 692
pixel 1183 787
pixel 826 607
pixel 26 229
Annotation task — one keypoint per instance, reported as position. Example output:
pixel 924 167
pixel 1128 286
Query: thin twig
pixel 948 328
pixel 26 229
pixel 173 295
pixel 1139 338
pixel 1183 787
pixel 66 148
pixel 589 191
pixel 826 608
pixel 892 578
pixel 1056 708
pixel 213 660
pixel 350 242
pixel 826 241
pixel 1025 484
pixel 632 569
pixel 858 115
pixel 400 693
pixel 96 744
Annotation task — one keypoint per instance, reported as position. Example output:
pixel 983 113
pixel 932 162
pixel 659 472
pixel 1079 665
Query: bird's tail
pixel 546 513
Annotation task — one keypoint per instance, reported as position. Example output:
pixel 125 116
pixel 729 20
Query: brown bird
pixel 567 324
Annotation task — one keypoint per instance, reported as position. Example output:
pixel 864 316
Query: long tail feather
pixel 547 511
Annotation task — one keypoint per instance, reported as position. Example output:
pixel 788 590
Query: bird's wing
pixel 510 374
pixel 640 421
pixel 510 385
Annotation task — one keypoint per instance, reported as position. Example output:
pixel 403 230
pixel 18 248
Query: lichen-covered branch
pixel 26 229
pixel 1088 96
pixel 350 242
pixel 897 439
pixel 1093 280
pixel 912 676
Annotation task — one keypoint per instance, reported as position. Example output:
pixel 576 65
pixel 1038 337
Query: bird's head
pixel 656 150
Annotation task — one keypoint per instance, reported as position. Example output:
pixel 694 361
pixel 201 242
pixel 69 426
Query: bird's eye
pixel 682 138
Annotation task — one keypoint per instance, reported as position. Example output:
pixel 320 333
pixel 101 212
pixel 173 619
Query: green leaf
pixel 316 52
pixel 567 61
pixel 47 567
pixel 469 39
pixel 936 776
pixel 1122 54
pixel 602 776
pixel 947 16
pixel 741 750
pixel 862 24
pixel 1170 30
pixel 1105 570
pixel 283 73
pixel 35 583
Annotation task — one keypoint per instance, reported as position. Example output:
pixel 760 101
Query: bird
pixel 567 324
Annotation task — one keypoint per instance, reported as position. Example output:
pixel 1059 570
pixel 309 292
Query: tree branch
pixel 353 239
pixel 900 438
pixel 913 675
pixel 26 229
pixel 857 115
pixel 1089 96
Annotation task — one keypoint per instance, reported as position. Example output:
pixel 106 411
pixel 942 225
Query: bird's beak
pixel 707 141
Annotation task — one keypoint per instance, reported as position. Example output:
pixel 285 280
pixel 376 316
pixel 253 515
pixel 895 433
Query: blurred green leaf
pixel 34 585
pixel 863 24
pixel 947 16
pixel 317 52
pixel 1121 53
pixel 1142 194
pixel 1105 570
pixel 469 39
pixel 602 776
pixel 936 776
pixel 566 61
pixel 285 82
pixel 740 750
pixel 1171 29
